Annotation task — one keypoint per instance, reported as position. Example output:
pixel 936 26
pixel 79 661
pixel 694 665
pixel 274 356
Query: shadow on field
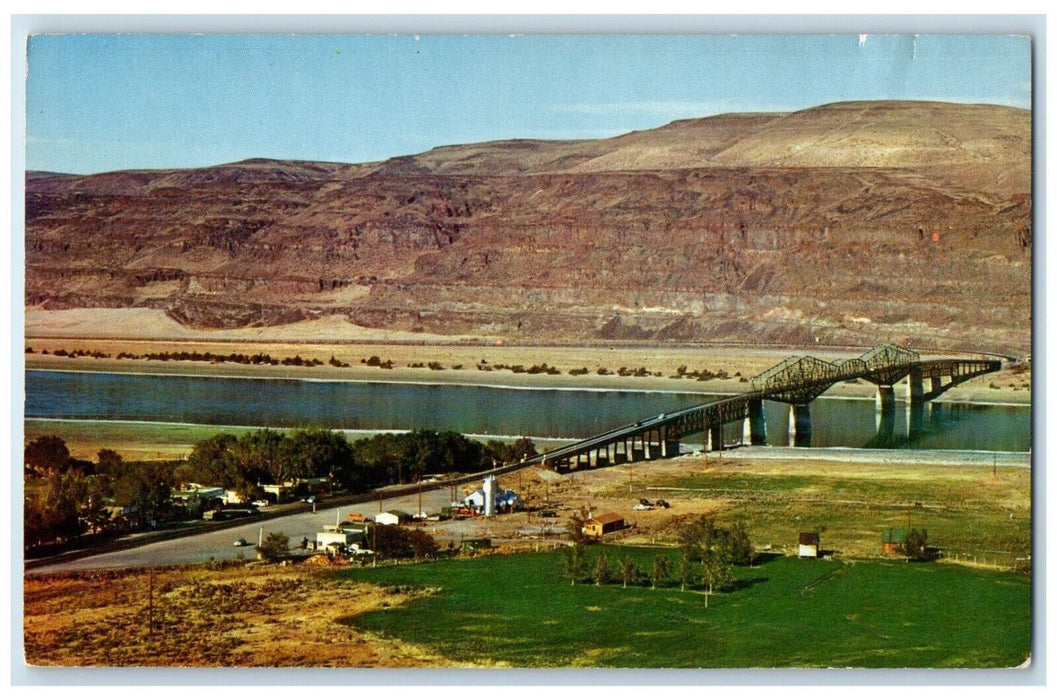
pixel 764 557
pixel 743 583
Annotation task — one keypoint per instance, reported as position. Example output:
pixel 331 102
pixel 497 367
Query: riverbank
pixel 597 368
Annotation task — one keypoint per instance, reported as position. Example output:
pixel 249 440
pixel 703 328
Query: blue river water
pixel 543 413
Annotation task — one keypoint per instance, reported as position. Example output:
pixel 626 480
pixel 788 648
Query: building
pixel 336 537
pixel 602 524
pixel 491 499
pixel 808 545
pixel 392 517
pixel 357 518
pixel 893 541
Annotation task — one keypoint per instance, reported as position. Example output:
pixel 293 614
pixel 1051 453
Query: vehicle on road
pixel 261 503
pixel 240 542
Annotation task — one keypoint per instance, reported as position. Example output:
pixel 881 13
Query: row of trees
pixel 269 456
pixel 708 554
pixel 67 498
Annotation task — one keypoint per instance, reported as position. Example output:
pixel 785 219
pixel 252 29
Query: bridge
pixel 797 382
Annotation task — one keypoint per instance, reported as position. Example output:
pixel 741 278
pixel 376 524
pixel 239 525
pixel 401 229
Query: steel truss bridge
pixel 796 381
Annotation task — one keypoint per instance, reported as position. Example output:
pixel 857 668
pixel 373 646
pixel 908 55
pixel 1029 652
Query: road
pixel 218 545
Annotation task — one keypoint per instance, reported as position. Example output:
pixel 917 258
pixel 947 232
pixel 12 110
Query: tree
pixel 107 460
pixel 916 545
pixel 575 563
pixel 686 573
pixel 718 572
pixel 145 486
pixel 422 544
pixel 45 455
pixel 575 526
pixel 274 546
pixel 741 551
pixel 660 571
pixel 629 571
pixel 52 514
pixel 601 568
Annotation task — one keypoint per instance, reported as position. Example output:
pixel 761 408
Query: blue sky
pixel 108 102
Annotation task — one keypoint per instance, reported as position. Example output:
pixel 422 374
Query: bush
pixel 274 546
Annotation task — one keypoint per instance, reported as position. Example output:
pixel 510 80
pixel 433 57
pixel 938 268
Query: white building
pixel 392 517
pixel 501 500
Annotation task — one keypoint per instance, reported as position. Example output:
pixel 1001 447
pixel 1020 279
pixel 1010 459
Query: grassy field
pixel 974 514
pixel 520 611
pixel 131 439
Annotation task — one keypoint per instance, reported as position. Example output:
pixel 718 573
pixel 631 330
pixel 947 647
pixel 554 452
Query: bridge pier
pixel 715 438
pixel 915 419
pixel 915 386
pixel 799 425
pixel 638 453
pixel 755 428
pixel 886 399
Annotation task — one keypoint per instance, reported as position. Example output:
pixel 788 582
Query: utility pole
pixel 150 603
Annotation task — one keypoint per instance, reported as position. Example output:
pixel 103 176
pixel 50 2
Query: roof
pixel 605 519
pixel 809 538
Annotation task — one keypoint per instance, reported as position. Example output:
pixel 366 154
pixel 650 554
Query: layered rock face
pixel 844 224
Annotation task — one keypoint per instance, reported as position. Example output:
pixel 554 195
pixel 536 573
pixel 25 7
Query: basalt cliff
pixel 850 223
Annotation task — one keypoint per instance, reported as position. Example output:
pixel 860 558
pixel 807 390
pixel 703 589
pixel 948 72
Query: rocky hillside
pixel 849 223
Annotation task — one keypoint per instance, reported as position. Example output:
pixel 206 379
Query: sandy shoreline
pixel 458 360
pixel 1010 388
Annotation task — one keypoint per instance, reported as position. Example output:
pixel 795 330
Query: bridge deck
pixel 795 381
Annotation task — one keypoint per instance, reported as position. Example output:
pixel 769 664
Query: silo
pixel 490 487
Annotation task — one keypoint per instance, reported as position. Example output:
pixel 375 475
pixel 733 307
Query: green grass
pixel 969 513
pixel 519 610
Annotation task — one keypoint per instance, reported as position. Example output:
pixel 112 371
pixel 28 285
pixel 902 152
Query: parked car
pixel 240 542
pixel 261 503
pixel 661 503
pixel 548 514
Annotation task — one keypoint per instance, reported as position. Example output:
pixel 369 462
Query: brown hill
pixel 849 223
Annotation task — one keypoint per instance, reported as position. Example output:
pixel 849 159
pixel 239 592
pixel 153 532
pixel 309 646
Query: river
pixel 541 413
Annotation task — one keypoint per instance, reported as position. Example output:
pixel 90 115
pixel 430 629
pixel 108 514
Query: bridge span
pixel 797 382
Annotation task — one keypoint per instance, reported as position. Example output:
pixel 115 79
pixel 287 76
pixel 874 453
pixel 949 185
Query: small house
pixel 337 538
pixel 602 524
pixel 893 541
pixel 808 545
pixel 392 517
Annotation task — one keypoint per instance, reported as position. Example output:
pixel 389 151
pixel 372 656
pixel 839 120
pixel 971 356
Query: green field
pixel 970 513
pixel 520 610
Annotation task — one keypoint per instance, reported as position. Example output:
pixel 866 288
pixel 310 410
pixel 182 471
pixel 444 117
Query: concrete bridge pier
pixel 754 430
pixel 601 457
pixel 915 403
pixel 915 386
pixel 915 419
pixel 886 399
pixel 799 425
pixel 714 438
pixel 638 453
